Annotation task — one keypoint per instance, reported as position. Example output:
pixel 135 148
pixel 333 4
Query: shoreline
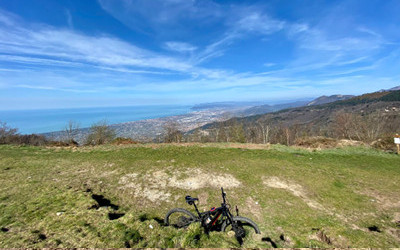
pixel 150 129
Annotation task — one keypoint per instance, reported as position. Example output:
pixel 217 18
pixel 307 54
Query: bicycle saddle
pixel 190 200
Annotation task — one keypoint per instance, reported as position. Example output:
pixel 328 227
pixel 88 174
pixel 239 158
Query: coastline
pixel 42 121
pixel 149 130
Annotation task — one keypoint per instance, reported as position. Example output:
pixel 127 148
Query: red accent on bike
pixel 212 209
pixel 216 219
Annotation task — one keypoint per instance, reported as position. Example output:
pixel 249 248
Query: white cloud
pixel 25 86
pixel 40 44
pixel 180 47
pixel 258 22
pixel 69 19
pixel 160 15
pixel 269 64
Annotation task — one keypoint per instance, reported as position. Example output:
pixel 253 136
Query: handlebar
pixel 223 195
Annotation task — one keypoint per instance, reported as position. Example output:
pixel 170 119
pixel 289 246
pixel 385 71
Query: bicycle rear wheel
pixel 179 218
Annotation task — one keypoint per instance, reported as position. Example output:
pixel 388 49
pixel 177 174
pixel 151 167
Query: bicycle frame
pixel 222 210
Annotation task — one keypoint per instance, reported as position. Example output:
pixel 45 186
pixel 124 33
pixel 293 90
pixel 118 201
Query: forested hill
pixel 364 117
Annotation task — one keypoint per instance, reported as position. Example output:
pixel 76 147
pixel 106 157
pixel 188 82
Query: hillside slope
pixel 317 120
pixel 113 197
pixel 329 99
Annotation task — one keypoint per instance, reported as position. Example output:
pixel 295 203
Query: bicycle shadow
pixel 146 217
pixel 269 240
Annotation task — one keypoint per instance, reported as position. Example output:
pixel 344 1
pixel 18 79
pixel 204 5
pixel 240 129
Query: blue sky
pixel 67 53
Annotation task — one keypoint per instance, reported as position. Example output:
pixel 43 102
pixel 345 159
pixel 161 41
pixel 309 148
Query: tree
pixel 172 133
pixel 364 127
pixel 343 125
pixel 251 134
pixel 100 133
pixel 265 129
pixel 71 131
pixel 221 133
pixel 369 127
pixel 236 132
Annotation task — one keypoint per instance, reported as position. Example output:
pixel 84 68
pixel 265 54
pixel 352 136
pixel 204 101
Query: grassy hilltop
pixel 49 197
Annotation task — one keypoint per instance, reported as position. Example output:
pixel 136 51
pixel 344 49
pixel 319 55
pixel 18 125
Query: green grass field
pixel 345 197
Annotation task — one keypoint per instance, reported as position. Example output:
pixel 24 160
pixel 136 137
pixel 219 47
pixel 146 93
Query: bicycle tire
pixel 192 217
pixel 244 220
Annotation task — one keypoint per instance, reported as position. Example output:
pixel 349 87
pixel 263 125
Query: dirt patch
pixel 295 189
pixel 383 201
pixel 321 235
pixel 254 207
pixel 352 143
pixel 396 220
pixel 316 142
pixel 395 233
pixel 203 198
pixel 385 143
pixel 126 179
pixel 154 185
pixel 246 146
pixel 198 179
pixel 320 142
pixel 216 145
pixel 107 173
pixel 150 186
pixel 298 191
pixel 324 238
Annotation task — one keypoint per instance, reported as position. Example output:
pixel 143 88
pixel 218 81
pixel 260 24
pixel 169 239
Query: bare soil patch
pixel 154 185
pixel 216 145
pixel 254 207
pixel 320 142
pixel 203 199
pixel 295 189
pixel 199 179
pixel 383 201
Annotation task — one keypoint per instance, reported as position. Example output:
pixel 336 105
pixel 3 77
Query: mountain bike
pixel 216 218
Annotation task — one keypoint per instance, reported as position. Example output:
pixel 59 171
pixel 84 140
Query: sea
pixel 50 120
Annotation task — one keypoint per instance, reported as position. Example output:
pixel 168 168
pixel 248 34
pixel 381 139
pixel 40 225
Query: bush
pixel 63 143
pixel 10 136
pixel 33 140
pixel 385 143
pixel 122 140
pixel 7 134
pixel 316 142
pixel 100 133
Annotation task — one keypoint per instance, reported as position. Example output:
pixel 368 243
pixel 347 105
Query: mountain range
pixel 317 119
pixel 318 112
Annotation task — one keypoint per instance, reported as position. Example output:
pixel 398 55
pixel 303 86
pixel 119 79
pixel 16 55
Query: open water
pixel 49 120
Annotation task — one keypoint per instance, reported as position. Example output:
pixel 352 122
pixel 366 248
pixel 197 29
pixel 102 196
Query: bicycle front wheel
pixel 246 226
pixel 179 218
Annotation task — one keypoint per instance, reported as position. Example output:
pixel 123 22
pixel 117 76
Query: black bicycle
pixel 217 218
